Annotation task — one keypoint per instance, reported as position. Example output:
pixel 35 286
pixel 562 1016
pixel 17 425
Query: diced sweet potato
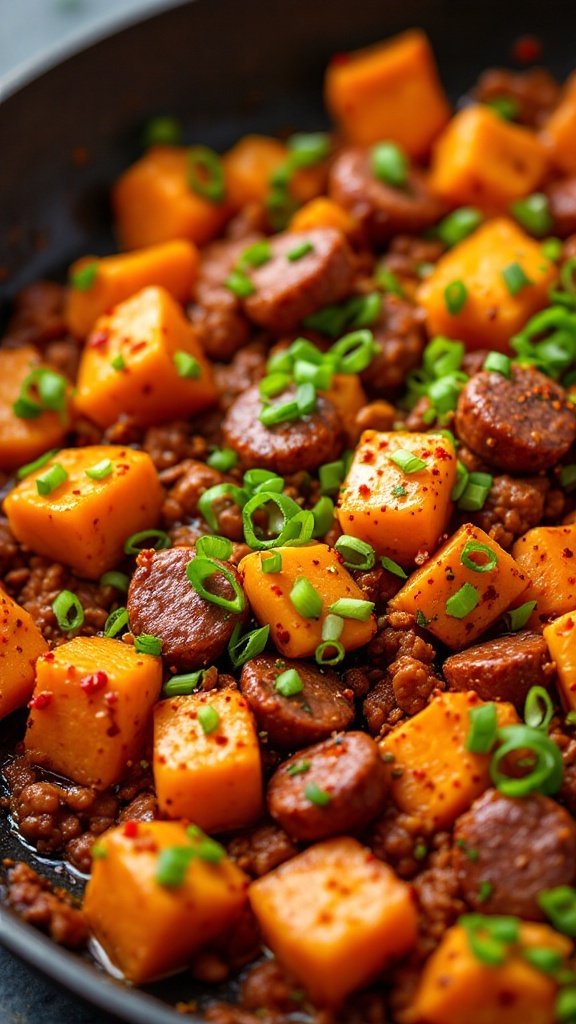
pixel 173 266
pixel 251 163
pixel 92 709
pixel 335 916
pixel 560 635
pixel 401 513
pixel 20 644
pixel 547 556
pixel 154 202
pixel 22 440
pixel 144 360
pixel 213 776
pixel 559 130
pixel 269 596
pixel 348 395
pixel 456 601
pixel 432 775
pixel 482 159
pixel 389 91
pixel 83 522
pixel 323 213
pixel 491 314
pixel 456 987
pixel 149 929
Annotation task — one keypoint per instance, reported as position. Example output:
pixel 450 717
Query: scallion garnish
pixel 214 547
pixel 116 622
pixel 474 548
pixel 68 611
pixel 390 164
pixel 208 718
pixel 515 278
pixel 289 683
pixel 206 174
pixel 305 599
pixel 54 477
pixel 355 553
pixel 352 608
pixel 242 648
pixel 142 541
pixel 407 461
pixel 455 296
pixel 200 569
pixel 533 213
pixel 84 277
pixel 393 567
pixel 317 796
pixel 146 643
pixel 100 470
pixel 183 685
pixel 186 365
pixel 538 708
pixel 464 601
pixel 483 729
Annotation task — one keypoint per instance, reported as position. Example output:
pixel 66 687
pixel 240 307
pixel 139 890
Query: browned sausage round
pixel 521 425
pixel 287 447
pixel 508 850
pixel 161 601
pixel 562 199
pixel 288 290
pixel 217 315
pixel 501 669
pixel 399 336
pixel 350 775
pixel 292 722
pixel 380 209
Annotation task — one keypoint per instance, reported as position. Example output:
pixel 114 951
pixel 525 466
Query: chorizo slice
pixel 221 326
pixel 285 447
pixel 381 210
pixel 521 424
pixel 332 788
pixel 288 288
pixel 161 601
pixel 507 850
pixel 293 722
pixel 562 203
pixel 502 669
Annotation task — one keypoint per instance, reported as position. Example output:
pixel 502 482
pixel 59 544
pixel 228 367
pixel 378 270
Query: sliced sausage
pixel 521 424
pixel 502 669
pixel 562 200
pixel 292 722
pixel 535 92
pixel 381 210
pixel 288 290
pixel 162 602
pixel 349 773
pixel 287 447
pixel 217 315
pixel 508 850
pixel 399 336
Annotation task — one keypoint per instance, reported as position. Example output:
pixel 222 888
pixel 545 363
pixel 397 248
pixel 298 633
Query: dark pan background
pixel 224 67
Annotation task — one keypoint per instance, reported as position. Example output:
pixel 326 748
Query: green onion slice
pixel 287 523
pixel 305 599
pixel 407 461
pixel 51 479
pixel 393 567
pixel 464 601
pixel 116 622
pixel 242 648
pixel 214 547
pixel 489 558
pixel 390 164
pixel 200 569
pixel 497 362
pixel 289 683
pixel 100 470
pixel 329 652
pixel 352 608
pixel 183 685
pixel 538 708
pixel 271 562
pixel 146 643
pixel 206 174
pixel 138 542
pixel 209 719
pixel 186 365
pixel 355 553
pixel 483 729
pixel 68 611
pixel 547 771
pixel 559 905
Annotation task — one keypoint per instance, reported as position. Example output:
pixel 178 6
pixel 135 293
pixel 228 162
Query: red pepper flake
pixel 111 698
pixel 367 457
pixel 41 700
pixel 364 490
pixel 93 682
pixel 567 553
pixel 275 589
pixel 131 829
pixel 98 339
pixel 527 49
pixel 441 454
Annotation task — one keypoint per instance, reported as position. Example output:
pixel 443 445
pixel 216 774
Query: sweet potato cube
pixel 546 554
pixel 560 635
pixel 456 601
pixel 432 775
pixel 400 513
pixel 456 987
pixel 83 522
pixel 23 440
pixel 491 314
pixel 144 360
pixel 348 395
pixel 212 777
pixel 323 213
pixel 21 642
pixel 147 928
pixel 92 708
pixel 335 916
pixel 172 265
pixel 388 91
pixel 484 160
pixel 269 596
pixel 559 131
pixel 251 163
pixel 154 202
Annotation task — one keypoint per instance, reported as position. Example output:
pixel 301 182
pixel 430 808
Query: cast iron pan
pixel 224 67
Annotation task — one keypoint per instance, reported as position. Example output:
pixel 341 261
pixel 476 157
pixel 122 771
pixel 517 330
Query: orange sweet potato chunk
pixel 153 202
pixel 269 596
pixel 323 213
pixel 389 91
pixel 150 929
pixel 348 395
pixel 432 775
pixel 84 522
pixel 21 642
pixel 213 778
pixel 559 131
pixel 172 265
pixel 130 365
pixel 456 987
pixel 400 513
pixel 92 708
pixel 484 160
pixel 547 555
pixel 439 593
pixel 491 315
pixel 335 916
pixel 560 635
pixel 23 440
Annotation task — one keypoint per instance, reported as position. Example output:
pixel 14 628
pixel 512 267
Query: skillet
pixel 224 67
